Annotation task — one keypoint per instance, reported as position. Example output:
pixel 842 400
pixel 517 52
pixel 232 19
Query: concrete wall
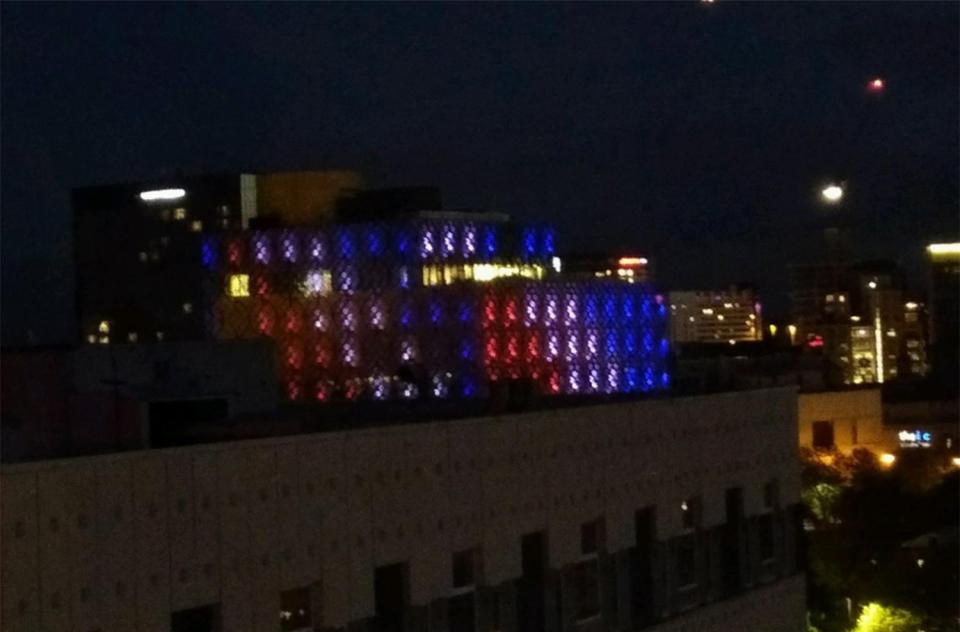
pixel 119 542
pixel 860 409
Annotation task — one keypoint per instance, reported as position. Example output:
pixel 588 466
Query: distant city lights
pixel 626 262
pixel 944 249
pixel 162 194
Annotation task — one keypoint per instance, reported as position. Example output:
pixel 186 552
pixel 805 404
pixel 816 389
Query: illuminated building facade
pixel 715 316
pixel 438 305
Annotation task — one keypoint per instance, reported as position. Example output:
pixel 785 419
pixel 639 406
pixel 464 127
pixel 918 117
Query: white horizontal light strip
pixel 162 194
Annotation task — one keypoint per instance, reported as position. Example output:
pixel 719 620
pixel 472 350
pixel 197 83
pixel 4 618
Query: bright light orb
pixel 887 459
pixel 832 193
pixel 876 84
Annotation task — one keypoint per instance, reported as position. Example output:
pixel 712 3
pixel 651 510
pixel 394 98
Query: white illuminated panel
pixel 162 194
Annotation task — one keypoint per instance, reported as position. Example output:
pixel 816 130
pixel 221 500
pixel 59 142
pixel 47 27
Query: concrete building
pixel 715 316
pixel 680 514
pixel 841 421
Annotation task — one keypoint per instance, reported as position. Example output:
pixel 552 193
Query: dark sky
pixel 695 134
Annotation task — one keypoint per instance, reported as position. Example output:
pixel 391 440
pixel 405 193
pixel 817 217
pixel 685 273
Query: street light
pixel 832 193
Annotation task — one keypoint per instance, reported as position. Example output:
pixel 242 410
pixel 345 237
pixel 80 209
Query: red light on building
pixel 876 85
pixel 815 342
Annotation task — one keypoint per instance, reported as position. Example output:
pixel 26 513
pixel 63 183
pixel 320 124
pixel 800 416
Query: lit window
pixel 159 336
pixel 317 282
pixel 104 327
pixel 92 338
pixel 196 226
pixel 239 285
pixel 187 308
pixel 180 213
pixel 143 256
pixel 132 336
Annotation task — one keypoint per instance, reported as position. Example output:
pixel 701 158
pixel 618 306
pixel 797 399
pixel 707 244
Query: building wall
pixel 856 415
pixel 95 398
pixel 119 542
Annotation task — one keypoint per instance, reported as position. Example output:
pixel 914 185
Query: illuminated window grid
pixel 452 334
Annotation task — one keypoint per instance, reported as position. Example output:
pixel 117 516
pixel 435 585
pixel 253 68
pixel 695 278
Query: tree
pixel 875 617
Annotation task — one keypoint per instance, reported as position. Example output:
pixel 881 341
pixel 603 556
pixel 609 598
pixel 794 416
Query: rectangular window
pixel 690 513
pixel 239 285
pixel 771 494
pixel 592 536
pixel 687 561
pixel 295 610
pixel 586 586
pixel 201 619
pixel 765 537
pixel 823 435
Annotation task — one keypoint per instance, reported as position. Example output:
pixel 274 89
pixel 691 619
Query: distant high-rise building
pixel 716 316
pixel 913 339
pixel 853 313
pixel 944 308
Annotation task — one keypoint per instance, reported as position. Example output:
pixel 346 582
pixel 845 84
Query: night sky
pixel 695 134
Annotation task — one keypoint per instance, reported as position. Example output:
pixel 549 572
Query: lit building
pixel 436 305
pixel 715 316
pixel 628 268
pixel 913 339
pixel 854 315
pixel 137 245
pixel 412 304
pixel 669 515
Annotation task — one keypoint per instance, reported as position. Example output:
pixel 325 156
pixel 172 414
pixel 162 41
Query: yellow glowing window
pixel 196 226
pixel 239 285
pixel 104 327
pixel 180 213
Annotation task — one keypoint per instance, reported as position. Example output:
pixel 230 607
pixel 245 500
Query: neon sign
pixel 915 438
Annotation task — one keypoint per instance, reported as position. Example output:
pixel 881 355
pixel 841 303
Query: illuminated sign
pixel 631 262
pixel 162 194
pixel 915 438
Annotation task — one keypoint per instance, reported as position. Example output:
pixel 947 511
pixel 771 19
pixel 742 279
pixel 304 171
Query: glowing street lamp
pixel 832 193
pixel 876 84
